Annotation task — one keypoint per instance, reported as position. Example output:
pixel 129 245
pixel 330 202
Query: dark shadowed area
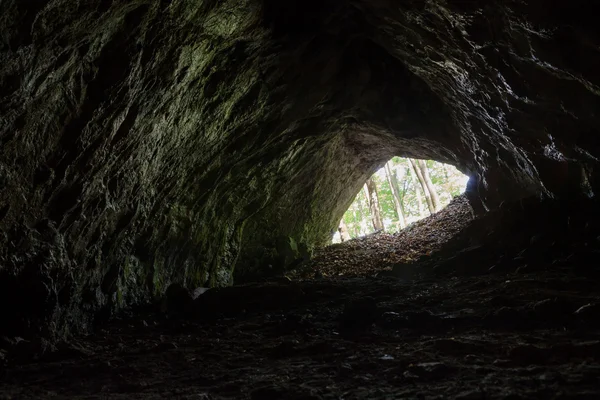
pixel 153 149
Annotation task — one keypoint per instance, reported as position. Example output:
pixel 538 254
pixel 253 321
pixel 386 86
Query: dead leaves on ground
pixel 369 255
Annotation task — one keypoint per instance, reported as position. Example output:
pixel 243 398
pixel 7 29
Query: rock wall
pixel 149 142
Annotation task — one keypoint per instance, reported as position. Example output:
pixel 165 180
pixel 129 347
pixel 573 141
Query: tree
pixel 344 234
pixel 393 182
pixel 355 217
pixel 445 170
pixel 398 188
pixel 363 204
pixel 421 180
pixel 435 201
pixel 416 183
pixel 371 190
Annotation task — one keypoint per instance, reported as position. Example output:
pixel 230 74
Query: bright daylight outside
pixel 403 191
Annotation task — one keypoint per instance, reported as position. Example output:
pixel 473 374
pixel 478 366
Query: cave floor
pixel 516 336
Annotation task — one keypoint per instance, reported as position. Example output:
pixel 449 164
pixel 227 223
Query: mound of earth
pixel 372 254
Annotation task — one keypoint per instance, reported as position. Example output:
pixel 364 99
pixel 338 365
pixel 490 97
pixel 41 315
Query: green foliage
pixel 447 180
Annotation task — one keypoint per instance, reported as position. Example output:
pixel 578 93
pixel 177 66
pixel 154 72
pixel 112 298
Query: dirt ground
pixel 372 254
pixel 493 337
pixel 508 329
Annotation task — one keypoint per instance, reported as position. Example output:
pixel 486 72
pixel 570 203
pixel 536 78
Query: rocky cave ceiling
pixel 149 142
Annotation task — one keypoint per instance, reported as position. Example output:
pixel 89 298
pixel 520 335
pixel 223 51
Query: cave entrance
pixel 399 194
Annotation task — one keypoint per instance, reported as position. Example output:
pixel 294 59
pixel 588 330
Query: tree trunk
pixel 344 234
pixel 405 186
pixel 362 212
pixel 419 174
pixel 416 184
pixel 395 194
pixel 445 169
pixel 369 212
pixel 371 188
pixel 427 179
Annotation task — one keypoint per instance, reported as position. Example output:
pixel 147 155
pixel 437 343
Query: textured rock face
pixel 150 142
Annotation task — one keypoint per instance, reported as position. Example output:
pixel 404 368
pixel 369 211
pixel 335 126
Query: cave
pixel 153 148
pixel 401 193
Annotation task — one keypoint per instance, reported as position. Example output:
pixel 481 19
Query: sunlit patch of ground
pixel 372 254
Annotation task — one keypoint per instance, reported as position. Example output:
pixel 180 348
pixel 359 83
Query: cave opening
pixel 403 191
pixel 172 172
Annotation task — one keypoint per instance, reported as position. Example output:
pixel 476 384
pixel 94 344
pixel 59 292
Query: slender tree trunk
pixel 357 217
pixel 371 188
pixel 344 235
pixel 402 193
pixel 363 214
pixel 369 213
pixel 395 194
pixel 445 169
pixel 416 184
pixel 427 179
pixel 419 174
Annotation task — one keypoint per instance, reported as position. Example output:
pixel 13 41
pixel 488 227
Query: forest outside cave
pixel 400 193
